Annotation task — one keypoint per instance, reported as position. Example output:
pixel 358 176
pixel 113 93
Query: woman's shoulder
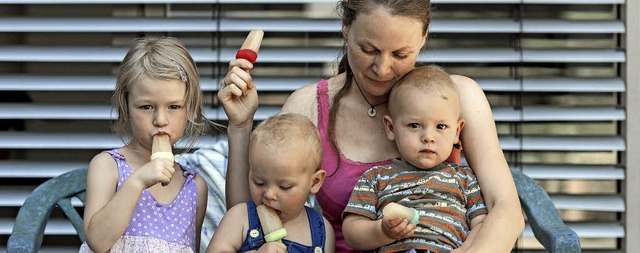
pixel 463 81
pixel 302 101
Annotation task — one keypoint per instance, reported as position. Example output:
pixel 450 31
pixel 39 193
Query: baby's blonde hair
pixel 429 78
pixel 161 58
pixel 289 130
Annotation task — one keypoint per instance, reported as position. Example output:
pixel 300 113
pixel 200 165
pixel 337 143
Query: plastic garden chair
pixel 31 221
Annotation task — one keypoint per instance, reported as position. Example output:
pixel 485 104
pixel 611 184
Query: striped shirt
pixel 446 196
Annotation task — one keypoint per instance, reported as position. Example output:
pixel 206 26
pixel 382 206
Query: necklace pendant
pixel 372 112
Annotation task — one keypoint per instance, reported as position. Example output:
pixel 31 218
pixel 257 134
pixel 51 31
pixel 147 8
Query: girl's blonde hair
pixel 161 58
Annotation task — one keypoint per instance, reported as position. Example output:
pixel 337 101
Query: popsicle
pixel 251 45
pixel 393 210
pixel 271 224
pixel 161 149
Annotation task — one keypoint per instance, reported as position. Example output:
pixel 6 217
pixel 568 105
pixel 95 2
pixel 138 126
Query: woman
pixel 382 42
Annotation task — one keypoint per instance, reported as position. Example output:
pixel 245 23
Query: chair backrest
pixel 31 221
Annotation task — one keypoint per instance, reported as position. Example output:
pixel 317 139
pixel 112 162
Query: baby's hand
pixel 397 228
pixel 155 171
pixel 273 247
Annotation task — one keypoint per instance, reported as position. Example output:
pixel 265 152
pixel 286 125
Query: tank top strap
pixel 316 223
pixel 115 153
pixel 188 173
pixel 124 170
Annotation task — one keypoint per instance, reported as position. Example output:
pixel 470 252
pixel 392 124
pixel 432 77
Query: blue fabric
pixel 211 162
pixel 316 223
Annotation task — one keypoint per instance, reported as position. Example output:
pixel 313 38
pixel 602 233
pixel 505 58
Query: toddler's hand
pixel 273 247
pixel 397 228
pixel 155 171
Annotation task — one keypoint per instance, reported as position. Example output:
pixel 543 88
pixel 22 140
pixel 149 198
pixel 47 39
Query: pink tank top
pixel 340 181
pixel 336 189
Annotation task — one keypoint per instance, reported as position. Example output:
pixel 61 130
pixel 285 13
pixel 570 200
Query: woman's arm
pixel 505 222
pixel 239 98
pixel 237 180
pixel 476 224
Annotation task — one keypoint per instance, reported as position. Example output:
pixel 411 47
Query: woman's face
pixel 382 48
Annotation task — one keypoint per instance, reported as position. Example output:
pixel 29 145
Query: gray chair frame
pixel 28 229
pixel 543 217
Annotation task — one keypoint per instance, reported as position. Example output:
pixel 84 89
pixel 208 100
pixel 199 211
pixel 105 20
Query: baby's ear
pixel 316 180
pixel 460 126
pixel 388 127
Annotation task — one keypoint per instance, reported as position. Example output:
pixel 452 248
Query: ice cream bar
pixel 250 47
pixel 271 224
pixel 161 147
pixel 393 210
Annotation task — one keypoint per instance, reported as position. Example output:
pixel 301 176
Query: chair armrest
pixel 24 242
pixel 542 215
pixel 28 228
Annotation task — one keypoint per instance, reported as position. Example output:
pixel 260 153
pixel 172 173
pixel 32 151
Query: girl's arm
pixel 505 222
pixel 107 212
pixel 202 207
pixel 239 98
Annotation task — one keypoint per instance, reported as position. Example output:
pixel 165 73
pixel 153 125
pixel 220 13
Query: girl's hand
pixel 397 228
pixel 238 94
pixel 155 171
pixel 273 247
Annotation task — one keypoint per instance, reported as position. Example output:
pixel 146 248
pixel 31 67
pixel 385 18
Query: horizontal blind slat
pixel 34 82
pixel 310 55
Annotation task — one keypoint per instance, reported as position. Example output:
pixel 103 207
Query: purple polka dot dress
pixel 157 227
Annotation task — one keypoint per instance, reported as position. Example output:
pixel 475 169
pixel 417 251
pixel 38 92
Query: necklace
pixel 372 110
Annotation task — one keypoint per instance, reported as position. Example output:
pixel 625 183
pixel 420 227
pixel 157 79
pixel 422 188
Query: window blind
pixel 551 69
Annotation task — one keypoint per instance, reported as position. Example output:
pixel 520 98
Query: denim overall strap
pixel 316 223
pixel 254 238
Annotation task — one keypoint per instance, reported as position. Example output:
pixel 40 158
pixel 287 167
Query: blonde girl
pixel 135 204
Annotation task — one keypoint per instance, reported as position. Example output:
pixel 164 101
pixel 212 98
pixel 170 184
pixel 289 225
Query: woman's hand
pixel 238 94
